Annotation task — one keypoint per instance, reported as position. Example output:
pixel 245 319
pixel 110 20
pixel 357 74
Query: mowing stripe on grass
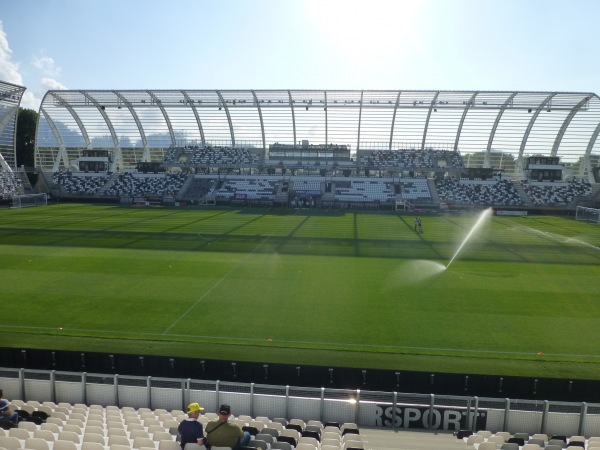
pixel 223 278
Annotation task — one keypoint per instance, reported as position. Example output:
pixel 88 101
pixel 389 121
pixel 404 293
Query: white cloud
pixel 52 84
pixel 30 100
pixel 9 70
pixel 47 65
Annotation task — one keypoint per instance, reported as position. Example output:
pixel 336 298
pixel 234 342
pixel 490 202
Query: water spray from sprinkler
pixel 484 215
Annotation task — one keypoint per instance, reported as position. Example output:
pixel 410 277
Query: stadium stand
pixel 128 428
pixel 307 186
pixel 556 193
pixel 10 100
pixel 365 191
pixel 96 427
pixel 429 179
pixel 113 432
pixel 10 185
pixel 80 183
pixel 397 159
pixel 251 134
pixel 222 156
pixel 477 192
pixel 333 187
pixel 131 183
pixel 246 189
pixel 415 189
pixel 198 189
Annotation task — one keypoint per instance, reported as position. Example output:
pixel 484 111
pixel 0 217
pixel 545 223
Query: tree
pixel 498 160
pixel 594 162
pixel 26 123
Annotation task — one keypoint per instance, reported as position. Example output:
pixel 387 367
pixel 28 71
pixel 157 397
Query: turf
pixel 337 288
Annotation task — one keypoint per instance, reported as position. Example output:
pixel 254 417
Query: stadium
pixel 388 259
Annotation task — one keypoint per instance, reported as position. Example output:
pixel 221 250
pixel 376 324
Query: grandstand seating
pixel 199 188
pixel 556 193
pixel 95 427
pixel 307 186
pixel 365 191
pixel 246 189
pixel 132 183
pixel 397 159
pixel 416 189
pixel 212 156
pixel 378 179
pixel 80 183
pixel 10 185
pixel 477 192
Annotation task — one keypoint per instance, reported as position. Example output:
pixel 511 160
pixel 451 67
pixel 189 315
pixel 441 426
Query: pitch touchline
pixel 562 239
pixel 393 347
pixel 217 284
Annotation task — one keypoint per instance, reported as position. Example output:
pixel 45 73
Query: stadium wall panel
pixel 305 375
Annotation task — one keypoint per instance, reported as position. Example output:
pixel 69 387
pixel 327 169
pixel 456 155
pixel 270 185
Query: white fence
pixel 366 408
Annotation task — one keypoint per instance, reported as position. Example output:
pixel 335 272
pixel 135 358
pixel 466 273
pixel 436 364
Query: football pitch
pixel 338 288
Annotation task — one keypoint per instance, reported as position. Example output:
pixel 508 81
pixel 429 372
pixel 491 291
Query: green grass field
pixel 337 288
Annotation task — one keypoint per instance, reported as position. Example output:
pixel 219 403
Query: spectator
pixel 190 429
pixel 221 433
pixel 6 414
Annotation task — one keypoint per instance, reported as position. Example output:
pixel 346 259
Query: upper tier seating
pixel 547 193
pixel 478 192
pixel 208 156
pixel 392 159
pixel 171 155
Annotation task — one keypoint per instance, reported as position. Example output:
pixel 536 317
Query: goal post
pixel 27 200
pixel 587 214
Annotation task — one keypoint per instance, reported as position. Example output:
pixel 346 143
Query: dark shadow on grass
pixel 403 249
pixel 403 246
pixel 286 239
pixel 356 241
pixel 292 212
pixel 196 221
pixel 423 241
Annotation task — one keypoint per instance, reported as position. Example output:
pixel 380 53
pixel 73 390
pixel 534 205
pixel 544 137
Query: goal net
pixel 588 214
pixel 26 200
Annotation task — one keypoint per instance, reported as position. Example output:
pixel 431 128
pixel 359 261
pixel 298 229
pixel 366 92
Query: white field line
pixel 218 283
pixel 561 239
pixel 343 345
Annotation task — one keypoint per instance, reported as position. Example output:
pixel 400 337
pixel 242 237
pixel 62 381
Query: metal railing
pixel 392 410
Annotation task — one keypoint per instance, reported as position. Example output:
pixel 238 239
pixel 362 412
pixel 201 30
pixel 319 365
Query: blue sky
pixel 300 44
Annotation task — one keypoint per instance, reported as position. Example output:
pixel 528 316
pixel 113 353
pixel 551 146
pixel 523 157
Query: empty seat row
pixel 95 427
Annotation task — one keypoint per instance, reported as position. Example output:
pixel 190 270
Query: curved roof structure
pixel 10 99
pixel 139 125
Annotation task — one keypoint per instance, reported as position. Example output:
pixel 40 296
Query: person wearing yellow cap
pixel 190 430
